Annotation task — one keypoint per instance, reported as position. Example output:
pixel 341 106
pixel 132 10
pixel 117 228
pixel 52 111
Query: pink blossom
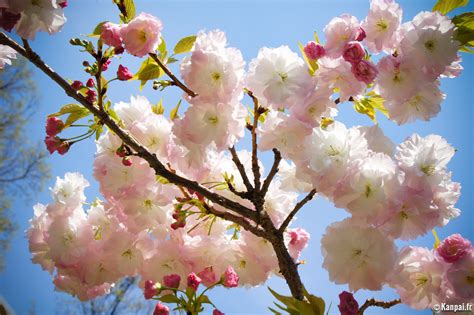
pixel 339 32
pixel 347 304
pixel 208 276
pixel 193 281
pixel 298 242
pixel 172 281
pixel 314 51
pixel 123 74
pixel 54 125
pixel 56 144
pixel 365 71
pixel 142 35
pixel 161 309
pixel 151 289
pixel 353 52
pixel 6 55
pixel 231 279
pixel 454 248
pixel 460 276
pixel 111 34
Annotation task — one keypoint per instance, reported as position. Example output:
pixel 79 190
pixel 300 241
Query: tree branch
pixel 241 169
pixel 255 166
pixel 298 206
pixel 272 173
pixel 176 81
pixel 373 302
pixel 124 135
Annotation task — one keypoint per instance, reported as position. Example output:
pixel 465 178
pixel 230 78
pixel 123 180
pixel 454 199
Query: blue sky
pixel 249 25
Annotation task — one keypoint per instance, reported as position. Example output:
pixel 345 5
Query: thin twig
pixel 373 302
pixel 241 194
pixel 176 81
pixel 255 165
pixel 298 206
pixel 272 173
pixel 241 168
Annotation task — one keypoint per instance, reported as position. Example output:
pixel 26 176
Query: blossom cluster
pixel 149 227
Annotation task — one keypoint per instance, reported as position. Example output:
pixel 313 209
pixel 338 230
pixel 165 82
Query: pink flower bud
pixel 119 50
pixel 121 151
pixel 208 276
pixel 63 4
pixel 353 52
pixel 123 74
pixel 347 304
pixel 8 19
pixel 91 96
pixel 54 125
pixel 231 279
pixel 151 289
pixel 90 83
pixel 106 64
pixel 364 71
pixel 111 35
pixel 172 281
pixel 453 248
pixel 127 161
pixel 142 36
pixel 217 312
pixel 193 281
pixel 360 35
pixel 56 144
pixel 314 51
pixel 77 85
pixel 161 309
pixel 178 224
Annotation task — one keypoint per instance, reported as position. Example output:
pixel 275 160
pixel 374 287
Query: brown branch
pixel 373 302
pixel 243 222
pixel 176 81
pixel 298 206
pixel 241 168
pixel 124 135
pixel 272 173
pixel 338 100
pixel 241 194
pixel 255 166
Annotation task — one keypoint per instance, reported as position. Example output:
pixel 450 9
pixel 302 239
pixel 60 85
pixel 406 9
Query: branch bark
pixel 272 173
pixel 373 302
pixel 297 208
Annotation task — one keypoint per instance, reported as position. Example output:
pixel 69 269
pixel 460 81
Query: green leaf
pixel 369 105
pixel 97 30
pixel 158 108
pixel 67 109
pixel 162 180
pixel 316 37
pixel 75 112
pixel 446 6
pixel 130 12
pixel 465 28
pixel 317 303
pixel 149 70
pixel 204 299
pixel 169 298
pixel 75 116
pixel 174 111
pixel 437 241
pixel 162 49
pixel 184 45
pixel 312 64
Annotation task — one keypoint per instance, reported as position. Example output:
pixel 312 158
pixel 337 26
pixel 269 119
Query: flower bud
pixel 217 312
pixel 127 161
pixel 90 83
pixel 151 289
pixel 347 304
pixel 111 35
pixel 454 248
pixel 106 64
pixel 54 125
pixel 123 74
pixel 8 19
pixel 63 4
pixel 353 52
pixel 230 277
pixel 77 85
pixel 364 71
pixel 172 281
pixel 207 276
pixel 161 309
pixel 314 51
pixel 56 144
pixel 91 96
pixel 193 281
pixel 360 35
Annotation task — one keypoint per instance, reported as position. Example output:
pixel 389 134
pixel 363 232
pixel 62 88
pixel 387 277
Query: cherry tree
pixel 186 211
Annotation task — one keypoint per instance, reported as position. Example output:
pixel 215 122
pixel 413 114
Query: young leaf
pixel 158 108
pixel 174 111
pixel 465 28
pixel 149 70
pixel 68 109
pixel 446 6
pixel 75 116
pixel 169 298
pixel 97 30
pixel 162 49
pixel 127 9
pixel 437 241
pixel 184 45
